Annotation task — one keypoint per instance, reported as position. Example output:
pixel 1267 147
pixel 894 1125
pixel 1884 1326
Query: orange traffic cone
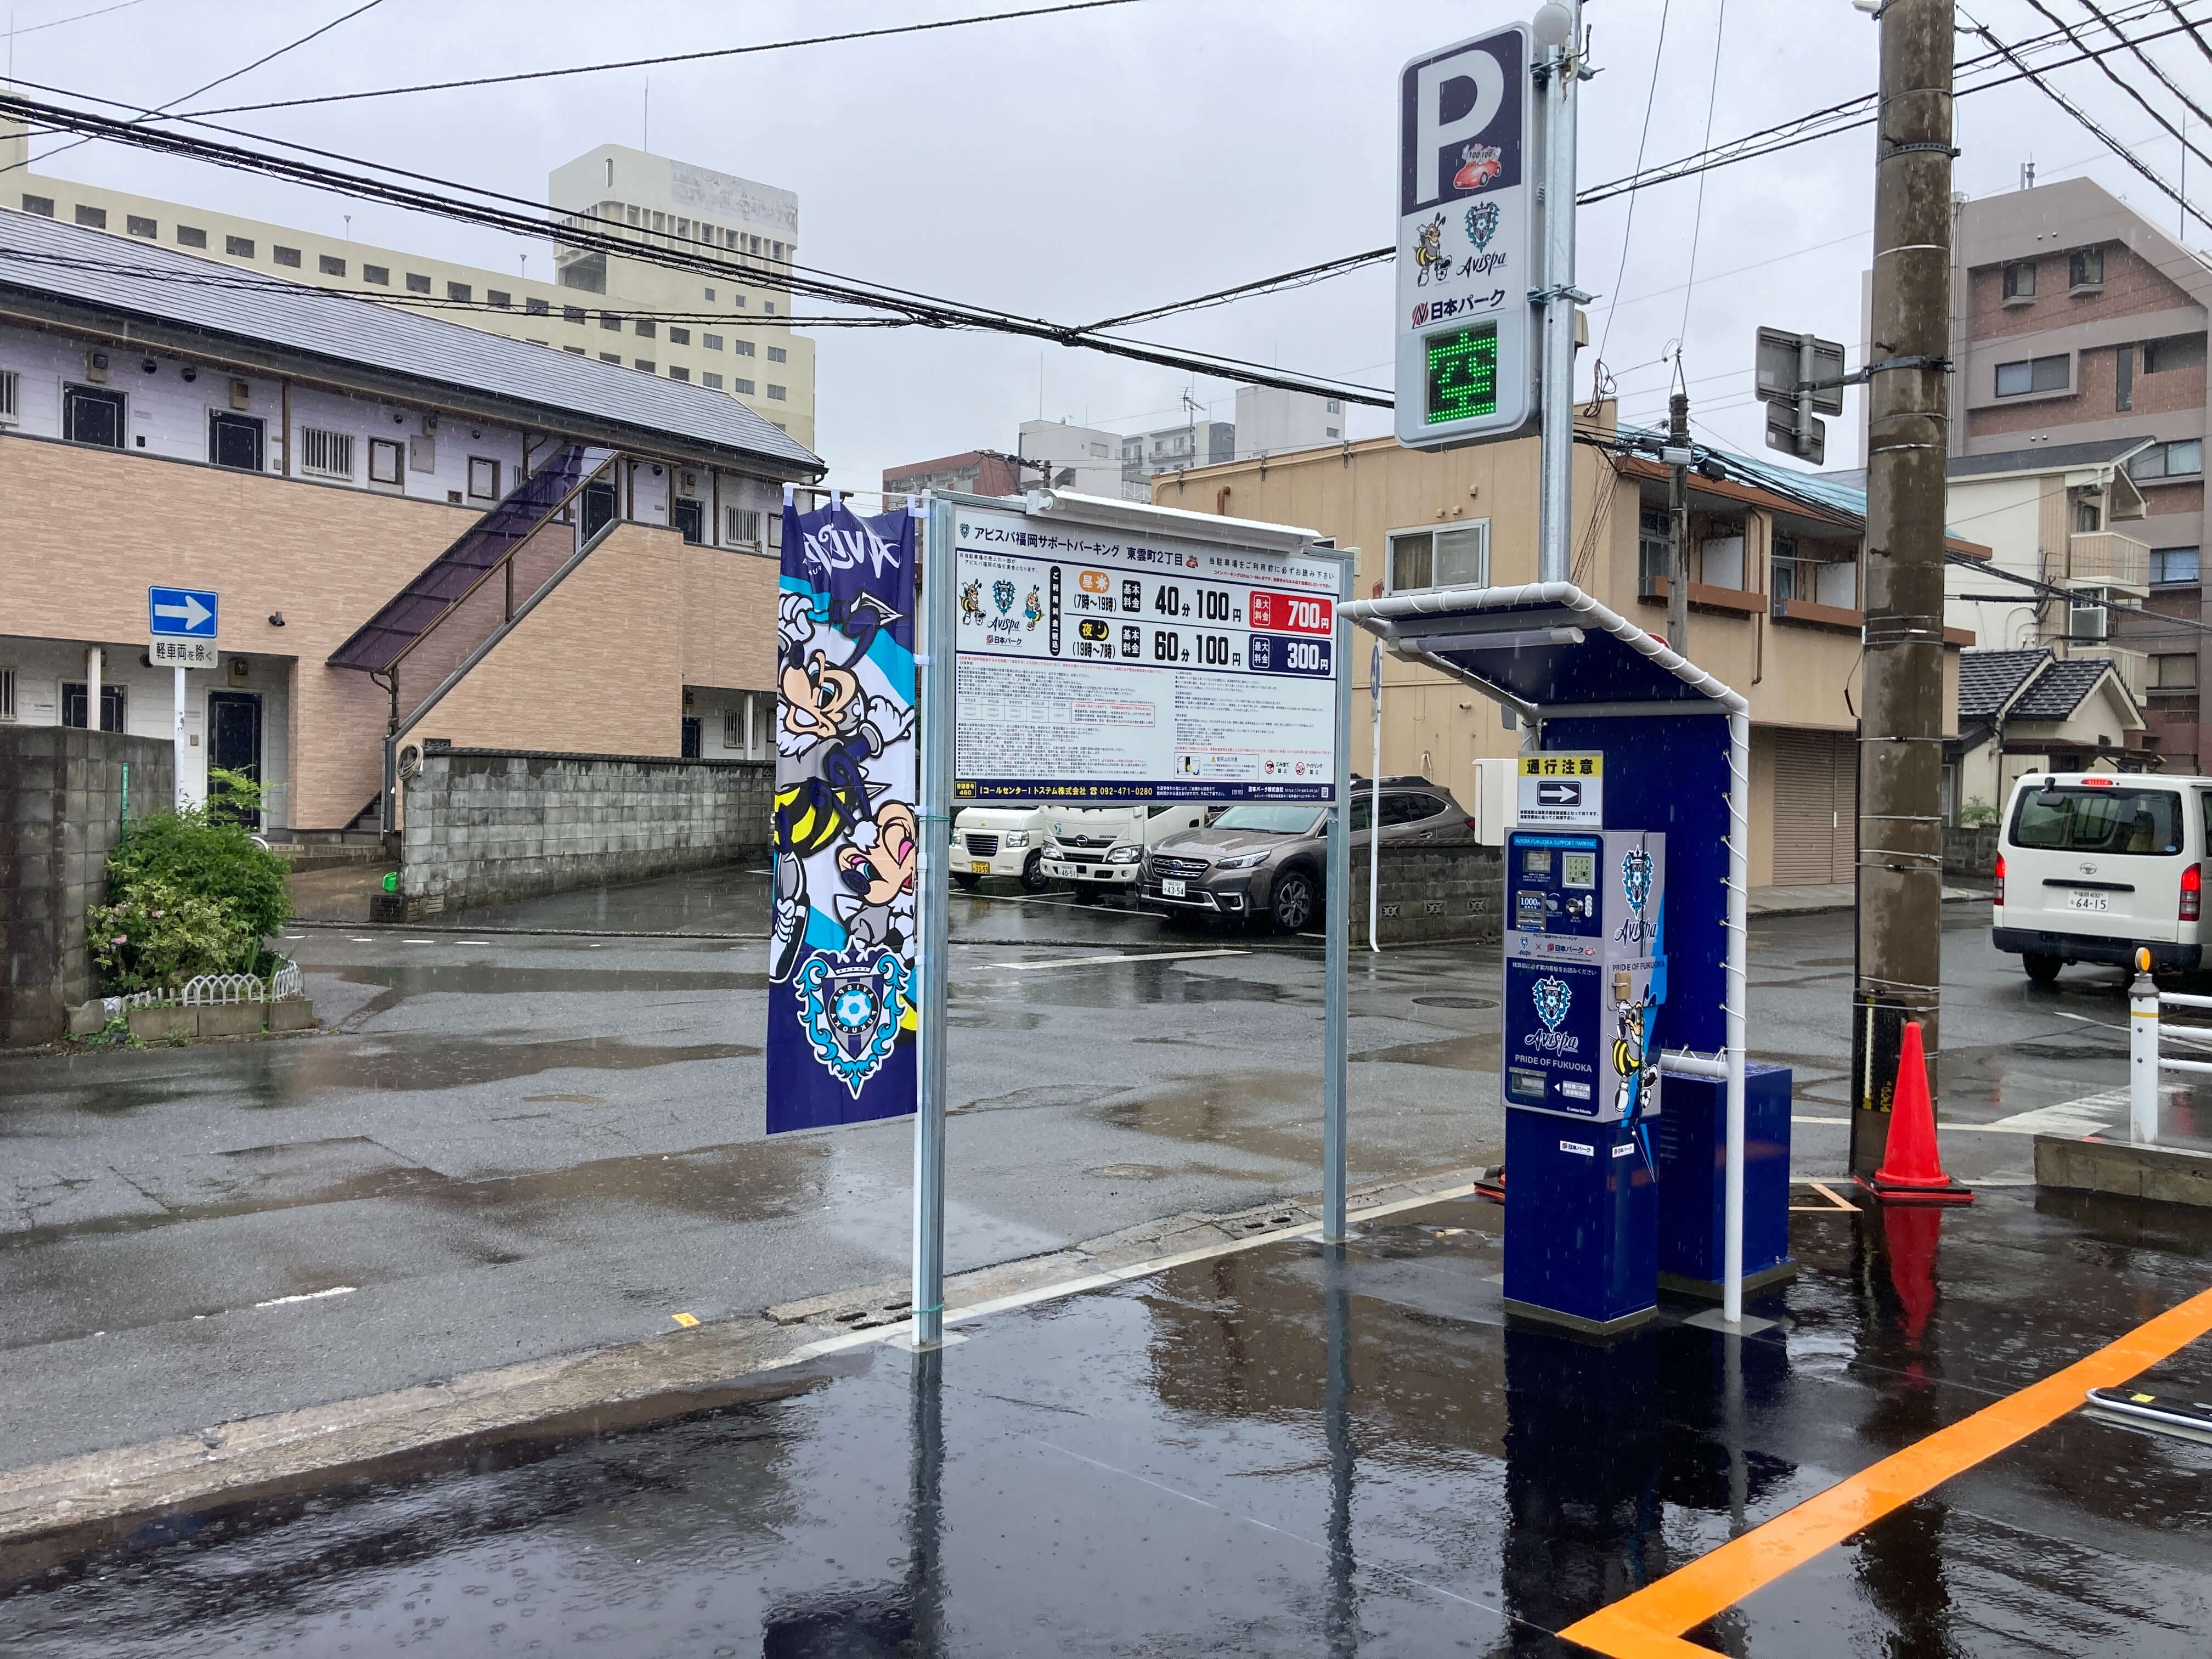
pixel 1911 1170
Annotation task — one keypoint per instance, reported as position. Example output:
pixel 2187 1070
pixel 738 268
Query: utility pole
pixel 1899 866
pixel 1678 524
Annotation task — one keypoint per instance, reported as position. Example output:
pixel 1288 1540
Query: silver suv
pixel 1261 862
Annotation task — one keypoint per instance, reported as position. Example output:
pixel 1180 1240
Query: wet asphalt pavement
pixel 1284 1452
pixel 509 1146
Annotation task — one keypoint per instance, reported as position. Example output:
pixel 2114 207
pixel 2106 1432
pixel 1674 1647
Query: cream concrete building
pixel 729 335
pixel 1774 600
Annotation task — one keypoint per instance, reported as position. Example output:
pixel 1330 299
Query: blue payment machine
pixel 1585 979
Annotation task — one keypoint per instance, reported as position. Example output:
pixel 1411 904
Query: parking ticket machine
pixel 1585 981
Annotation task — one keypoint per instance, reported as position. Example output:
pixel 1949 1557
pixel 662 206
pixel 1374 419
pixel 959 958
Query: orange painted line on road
pixel 1649 1625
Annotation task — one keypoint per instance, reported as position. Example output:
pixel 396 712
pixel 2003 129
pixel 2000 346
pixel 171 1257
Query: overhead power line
pixel 75 17
pixel 2084 118
pixel 2108 72
pixel 533 218
pixel 671 57
pixel 221 80
pixel 2150 64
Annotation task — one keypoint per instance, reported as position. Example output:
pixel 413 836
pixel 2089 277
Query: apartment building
pixel 1775 599
pixel 731 335
pixel 971 473
pixel 414 529
pixel 2079 418
pixel 1145 455
pixel 1271 421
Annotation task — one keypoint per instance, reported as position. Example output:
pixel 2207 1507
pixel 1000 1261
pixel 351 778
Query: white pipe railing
pixel 2145 1061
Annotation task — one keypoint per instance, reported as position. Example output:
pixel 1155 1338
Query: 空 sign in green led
pixel 1461 378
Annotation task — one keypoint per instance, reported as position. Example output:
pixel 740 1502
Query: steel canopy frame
pixel 1550 653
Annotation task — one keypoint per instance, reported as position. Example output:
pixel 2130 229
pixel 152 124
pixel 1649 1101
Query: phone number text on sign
pixel 1093 664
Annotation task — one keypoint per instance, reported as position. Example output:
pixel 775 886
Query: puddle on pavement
pixel 464 1062
pixel 1225 1112
pixel 1291 1451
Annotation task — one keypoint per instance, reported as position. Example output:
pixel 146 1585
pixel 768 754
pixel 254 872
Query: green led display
pixel 1462 373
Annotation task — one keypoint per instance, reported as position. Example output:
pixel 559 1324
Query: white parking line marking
pixel 1090 962
pixel 312 1296
pixel 418 941
pixel 471 941
pixel 364 941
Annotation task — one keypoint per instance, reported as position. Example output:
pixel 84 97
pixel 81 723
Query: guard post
pixel 1668 852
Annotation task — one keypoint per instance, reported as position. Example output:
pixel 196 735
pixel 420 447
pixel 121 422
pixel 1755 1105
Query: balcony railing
pixel 2100 556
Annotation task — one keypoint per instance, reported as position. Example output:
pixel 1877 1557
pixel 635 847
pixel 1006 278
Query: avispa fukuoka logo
pixel 1552 997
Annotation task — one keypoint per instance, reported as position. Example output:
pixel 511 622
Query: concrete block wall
pixel 487 826
pixel 61 814
pixel 1431 893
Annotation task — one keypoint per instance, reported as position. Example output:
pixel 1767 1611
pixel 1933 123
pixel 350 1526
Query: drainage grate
pixel 1455 1002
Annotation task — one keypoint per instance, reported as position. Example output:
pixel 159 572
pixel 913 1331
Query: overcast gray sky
pixel 1078 167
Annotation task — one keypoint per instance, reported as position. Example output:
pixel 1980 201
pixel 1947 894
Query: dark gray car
pixel 1266 861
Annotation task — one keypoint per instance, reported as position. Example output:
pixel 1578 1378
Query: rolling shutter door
pixel 1804 809
pixel 1844 752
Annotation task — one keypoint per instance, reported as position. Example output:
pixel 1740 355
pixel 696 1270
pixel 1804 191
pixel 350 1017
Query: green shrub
pixel 1976 813
pixel 189 893
pixel 206 860
pixel 159 935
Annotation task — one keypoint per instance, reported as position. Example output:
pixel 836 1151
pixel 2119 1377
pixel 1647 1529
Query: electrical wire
pixel 538 220
pixel 2108 72
pixel 2203 44
pixel 2149 63
pixel 1644 137
pixel 1697 218
pixel 219 81
pixel 78 17
pixel 671 57
pixel 2083 117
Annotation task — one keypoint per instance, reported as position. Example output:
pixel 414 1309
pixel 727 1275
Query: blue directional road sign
pixel 185 613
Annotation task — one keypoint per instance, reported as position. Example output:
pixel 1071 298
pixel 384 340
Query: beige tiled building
pixel 1774 601
pixel 728 335
pixel 402 520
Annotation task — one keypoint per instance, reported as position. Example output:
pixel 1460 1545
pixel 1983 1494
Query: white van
pixel 1004 840
pixel 1100 848
pixel 2092 865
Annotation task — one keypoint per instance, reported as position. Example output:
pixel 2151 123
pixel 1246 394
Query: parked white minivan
pixel 1005 839
pixel 2092 865
pixel 1100 848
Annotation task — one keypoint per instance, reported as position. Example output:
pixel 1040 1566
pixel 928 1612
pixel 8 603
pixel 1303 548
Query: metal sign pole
pixel 1734 993
pixel 935 667
pixel 1557 443
pixel 1334 1054
pixel 1375 804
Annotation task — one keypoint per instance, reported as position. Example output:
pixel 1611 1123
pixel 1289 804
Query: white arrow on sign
pixel 191 610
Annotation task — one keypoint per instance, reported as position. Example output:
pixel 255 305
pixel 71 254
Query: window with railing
pixel 326 455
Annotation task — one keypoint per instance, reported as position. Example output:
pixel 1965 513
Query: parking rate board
pixel 1098 664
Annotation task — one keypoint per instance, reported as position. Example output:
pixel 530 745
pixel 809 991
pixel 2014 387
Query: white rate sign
pixel 1098 664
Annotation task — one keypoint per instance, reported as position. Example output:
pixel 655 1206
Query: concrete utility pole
pixel 1678 524
pixel 1900 863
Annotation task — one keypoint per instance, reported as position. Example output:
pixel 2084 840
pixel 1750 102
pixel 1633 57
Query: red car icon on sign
pixel 1478 164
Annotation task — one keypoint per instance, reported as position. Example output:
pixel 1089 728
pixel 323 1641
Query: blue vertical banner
pixel 842 1022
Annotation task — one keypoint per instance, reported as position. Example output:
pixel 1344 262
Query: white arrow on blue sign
pixel 186 613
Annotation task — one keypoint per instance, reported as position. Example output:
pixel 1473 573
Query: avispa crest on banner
pixel 842 1019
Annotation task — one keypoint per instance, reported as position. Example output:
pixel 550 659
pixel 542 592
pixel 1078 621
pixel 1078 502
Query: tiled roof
pixel 90 268
pixel 2059 689
pixel 1988 679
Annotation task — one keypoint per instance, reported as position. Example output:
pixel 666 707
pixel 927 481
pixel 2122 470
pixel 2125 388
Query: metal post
pixel 1735 991
pixel 1678 525
pixel 933 707
pixel 177 740
pixel 2142 1054
pixel 1899 866
pixel 1806 376
pixel 1374 798
pixel 1335 1056
pixel 94 659
pixel 1555 532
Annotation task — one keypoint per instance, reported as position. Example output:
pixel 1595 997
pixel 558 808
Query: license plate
pixel 2088 901
pixel 980 866
pixel 1171 888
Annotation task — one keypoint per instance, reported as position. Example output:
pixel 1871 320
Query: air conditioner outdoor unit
pixel 2087 617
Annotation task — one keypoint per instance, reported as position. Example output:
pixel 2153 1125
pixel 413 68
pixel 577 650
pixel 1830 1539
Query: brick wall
pixel 486 826
pixel 1431 893
pixel 61 814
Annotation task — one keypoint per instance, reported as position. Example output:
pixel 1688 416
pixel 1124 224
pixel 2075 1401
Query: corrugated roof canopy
pixel 43 257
